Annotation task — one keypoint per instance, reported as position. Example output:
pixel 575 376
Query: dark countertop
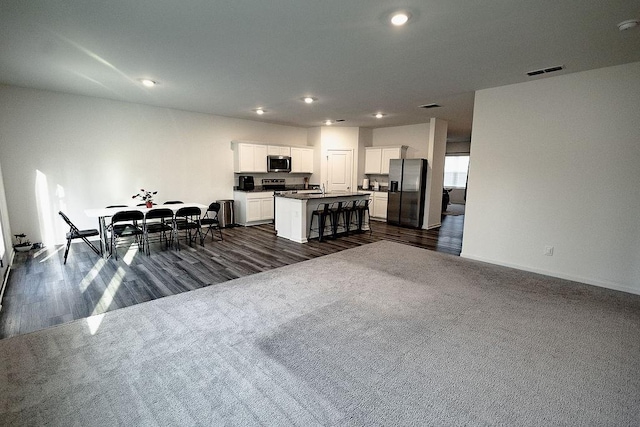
pixel 259 189
pixel 382 189
pixel 299 196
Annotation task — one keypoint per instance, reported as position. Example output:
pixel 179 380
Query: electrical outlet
pixel 548 250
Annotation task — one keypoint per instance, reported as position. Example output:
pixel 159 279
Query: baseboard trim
pixel 579 279
pixel 5 279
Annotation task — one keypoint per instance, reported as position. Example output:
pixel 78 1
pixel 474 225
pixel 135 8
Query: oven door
pixel 279 163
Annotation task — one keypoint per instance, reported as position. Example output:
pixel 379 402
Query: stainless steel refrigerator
pixel 407 183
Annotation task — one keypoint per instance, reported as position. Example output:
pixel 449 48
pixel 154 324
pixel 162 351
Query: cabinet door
pixel 251 158
pixel 245 158
pixel 372 160
pixel 381 202
pixel 301 160
pixel 260 158
pixel 254 210
pixel 275 150
pixel 266 208
pixel 386 155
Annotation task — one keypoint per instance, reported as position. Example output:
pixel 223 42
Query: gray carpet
pixel 383 334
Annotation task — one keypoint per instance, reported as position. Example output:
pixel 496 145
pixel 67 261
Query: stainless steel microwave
pixel 278 163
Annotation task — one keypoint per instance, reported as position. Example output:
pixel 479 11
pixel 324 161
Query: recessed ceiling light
pixel 628 24
pixel 148 82
pixel 259 111
pixel 309 99
pixel 399 19
pixel 328 122
pixel 379 115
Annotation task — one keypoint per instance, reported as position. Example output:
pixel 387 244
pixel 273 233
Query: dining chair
pixel 75 233
pixel 124 224
pixel 174 202
pixel 108 224
pixel 210 220
pixel 187 219
pixel 157 221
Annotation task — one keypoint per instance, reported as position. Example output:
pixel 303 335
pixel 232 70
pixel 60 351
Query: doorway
pixel 339 171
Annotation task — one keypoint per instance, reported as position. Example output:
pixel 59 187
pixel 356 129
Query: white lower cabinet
pixel 378 204
pixel 252 208
pixel 380 200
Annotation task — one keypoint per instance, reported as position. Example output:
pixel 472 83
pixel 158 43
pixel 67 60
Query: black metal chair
pixel 337 213
pixel 363 213
pixel 350 211
pixel 322 212
pixel 174 202
pixel 210 220
pixel 75 233
pixel 187 219
pixel 124 224
pixel 157 221
pixel 108 224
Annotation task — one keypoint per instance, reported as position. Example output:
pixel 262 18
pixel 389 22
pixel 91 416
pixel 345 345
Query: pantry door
pixel 340 171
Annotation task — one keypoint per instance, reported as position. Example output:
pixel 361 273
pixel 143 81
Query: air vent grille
pixel 426 106
pixel 545 70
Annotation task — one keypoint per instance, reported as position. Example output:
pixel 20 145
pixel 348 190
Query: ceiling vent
pixel 545 70
pixel 427 106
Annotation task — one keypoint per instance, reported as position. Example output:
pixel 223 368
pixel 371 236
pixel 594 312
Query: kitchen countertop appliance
pixel 245 183
pixel 278 164
pixel 407 183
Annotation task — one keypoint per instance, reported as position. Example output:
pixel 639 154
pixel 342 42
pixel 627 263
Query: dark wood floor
pixel 42 292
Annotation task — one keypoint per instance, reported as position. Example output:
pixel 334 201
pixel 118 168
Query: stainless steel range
pixel 277 184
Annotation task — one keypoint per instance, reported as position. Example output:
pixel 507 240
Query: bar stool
pixel 363 211
pixel 323 211
pixel 350 210
pixel 337 211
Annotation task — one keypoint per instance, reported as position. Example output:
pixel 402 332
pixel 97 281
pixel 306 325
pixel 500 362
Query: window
pixel 455 171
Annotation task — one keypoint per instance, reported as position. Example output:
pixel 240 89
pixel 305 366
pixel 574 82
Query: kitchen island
pixel 293 212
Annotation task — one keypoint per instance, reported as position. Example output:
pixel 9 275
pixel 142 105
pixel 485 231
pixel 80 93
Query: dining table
pixel 102 213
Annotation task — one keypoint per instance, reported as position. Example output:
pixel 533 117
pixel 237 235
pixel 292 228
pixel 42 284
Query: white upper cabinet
pixel 372 160
pixel 250 158
pixel 301 160
pixel 376 161
pixel 278 150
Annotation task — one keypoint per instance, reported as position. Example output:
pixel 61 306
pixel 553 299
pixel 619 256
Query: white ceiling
pixel 229 57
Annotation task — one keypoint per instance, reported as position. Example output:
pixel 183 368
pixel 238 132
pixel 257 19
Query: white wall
pixel 458 147
pixel 556 162
pixel 338 138
pixel 416 137
pixel 69 152
pixel 365 139
pixel 6 249
pixel 435 172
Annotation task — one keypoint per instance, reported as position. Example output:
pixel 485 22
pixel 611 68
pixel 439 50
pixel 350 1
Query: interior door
pixel 340 171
